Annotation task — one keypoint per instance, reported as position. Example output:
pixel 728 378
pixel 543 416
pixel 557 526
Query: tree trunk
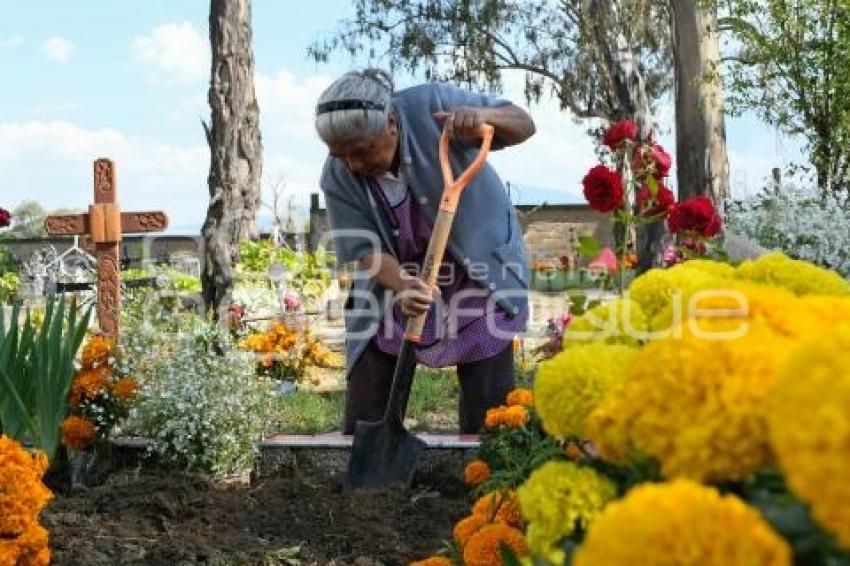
pixel 235 147
pixel 701 161
pixel 627 89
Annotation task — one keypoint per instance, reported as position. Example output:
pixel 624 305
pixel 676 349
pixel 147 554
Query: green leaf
pixel 652 184
pixel 588 246
pixel 36 370
pixel 19 407
pixel 509 557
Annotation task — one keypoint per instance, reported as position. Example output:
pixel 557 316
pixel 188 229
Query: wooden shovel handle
pixel 445 217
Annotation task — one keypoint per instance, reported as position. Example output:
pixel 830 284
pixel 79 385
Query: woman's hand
pixel 513 124
pixel 411 293
pixel 462 123
pixel 415 296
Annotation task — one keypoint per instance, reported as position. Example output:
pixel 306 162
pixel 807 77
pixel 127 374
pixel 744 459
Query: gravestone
pixel 105 224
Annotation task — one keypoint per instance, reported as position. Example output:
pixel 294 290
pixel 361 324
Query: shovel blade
pixel 383 454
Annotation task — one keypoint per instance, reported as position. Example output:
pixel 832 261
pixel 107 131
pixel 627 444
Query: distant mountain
pixel 532 194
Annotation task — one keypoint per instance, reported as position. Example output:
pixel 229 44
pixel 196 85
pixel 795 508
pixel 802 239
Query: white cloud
pixel 173 52
pixel 557 157
pixel 292 150
pixel 59 49
pixel 287 103
pixel 11 42
pixel 150 175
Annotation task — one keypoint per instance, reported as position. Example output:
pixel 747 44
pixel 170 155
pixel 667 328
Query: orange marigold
pixel 573 451
pixel 433 561
pixel 32 547
pixel 522 397
pixel 97 350
pixel 516 416
pixel 125 388
pixel 476 472
pixel 484 548
pixel 77 432
pixel 501 506
pixel 88 384
pixel 468 526
pixel 22 493
pixel 9 552
pixel 494 417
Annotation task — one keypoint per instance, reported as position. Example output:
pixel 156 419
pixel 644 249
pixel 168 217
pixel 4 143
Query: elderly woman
pixel 382 185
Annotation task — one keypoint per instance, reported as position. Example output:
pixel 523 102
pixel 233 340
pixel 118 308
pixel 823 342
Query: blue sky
pixel 128 80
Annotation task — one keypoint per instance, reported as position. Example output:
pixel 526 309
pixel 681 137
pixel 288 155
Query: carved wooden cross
pixel 105 224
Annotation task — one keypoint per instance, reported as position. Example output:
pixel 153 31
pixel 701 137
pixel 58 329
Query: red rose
pixel 5 218
pixel 661 159
pixel 652 160
pixel 620 132
pixel 696 215
pixel 649 205
pixel 603 189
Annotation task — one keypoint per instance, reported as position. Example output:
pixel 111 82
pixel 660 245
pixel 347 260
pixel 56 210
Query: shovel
pixel 384 453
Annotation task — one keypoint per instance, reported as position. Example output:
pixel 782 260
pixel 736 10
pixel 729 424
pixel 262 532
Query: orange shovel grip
pixel 452 188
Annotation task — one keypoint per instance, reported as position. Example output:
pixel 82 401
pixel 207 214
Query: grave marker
pixel 105 224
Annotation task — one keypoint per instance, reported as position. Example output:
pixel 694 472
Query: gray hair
pixel 373 87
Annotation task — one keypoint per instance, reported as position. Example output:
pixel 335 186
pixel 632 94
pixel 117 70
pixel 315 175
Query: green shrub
pixel 202 410
pixel 36 370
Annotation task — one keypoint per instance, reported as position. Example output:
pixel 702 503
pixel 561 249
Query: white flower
pixel 799 221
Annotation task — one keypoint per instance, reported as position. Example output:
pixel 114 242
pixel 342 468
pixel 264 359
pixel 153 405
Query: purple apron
pixel 456 329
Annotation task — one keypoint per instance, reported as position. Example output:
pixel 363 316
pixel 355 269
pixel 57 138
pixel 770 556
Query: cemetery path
pixel 303 519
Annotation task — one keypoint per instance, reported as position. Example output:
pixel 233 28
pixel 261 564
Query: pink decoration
pixel 291 301
pixel 605 260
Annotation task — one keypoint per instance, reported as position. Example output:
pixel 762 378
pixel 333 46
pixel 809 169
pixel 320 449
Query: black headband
pixel 348 104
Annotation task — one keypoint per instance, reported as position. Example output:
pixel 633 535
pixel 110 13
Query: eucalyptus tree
pixel 789 61
pixel 233 136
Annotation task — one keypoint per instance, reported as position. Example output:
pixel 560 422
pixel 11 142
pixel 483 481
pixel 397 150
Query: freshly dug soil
pixel 158 517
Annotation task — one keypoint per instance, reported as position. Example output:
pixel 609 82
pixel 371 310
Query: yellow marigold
pixel 718 269
pixel 735 303
pixel 797 276
pixel 125 388
pixel 818 315
pixel 516 416
pixel 656 290
pixel 809 419
pixel 571 385
pixel 694 405
pixel 520 396
pixel 88 384
pixel 97 351
pixel 500 506
pixel 468 526
pixel 77 432
pixel 621 321
pixel 253 342
pixel 556 498
pixel 476 472
pixel 680 523
pixel 433 561
pixel 484 548
pixel 495 417
pixel 22 493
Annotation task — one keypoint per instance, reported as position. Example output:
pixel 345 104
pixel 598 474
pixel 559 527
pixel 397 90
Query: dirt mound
pixel 167 518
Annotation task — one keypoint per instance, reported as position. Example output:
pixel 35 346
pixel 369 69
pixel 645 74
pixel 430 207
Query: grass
pixel 309 413
pixel 432 406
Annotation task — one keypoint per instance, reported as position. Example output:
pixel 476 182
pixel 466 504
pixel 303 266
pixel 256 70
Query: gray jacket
pixel 486 235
